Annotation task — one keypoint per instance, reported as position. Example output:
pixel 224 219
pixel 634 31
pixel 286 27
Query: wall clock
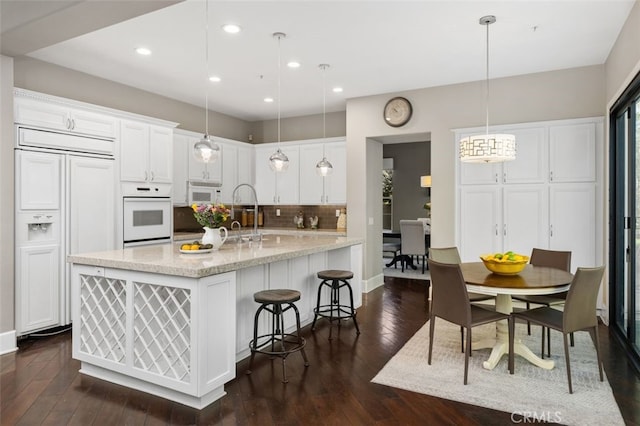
pixel 397 112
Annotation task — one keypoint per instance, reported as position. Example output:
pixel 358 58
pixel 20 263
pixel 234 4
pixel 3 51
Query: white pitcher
pixel 212 236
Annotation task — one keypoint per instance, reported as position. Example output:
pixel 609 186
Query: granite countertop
pixel 167 259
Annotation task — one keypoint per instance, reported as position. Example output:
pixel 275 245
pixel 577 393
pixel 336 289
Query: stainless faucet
pixel 239 230
pixel 255 236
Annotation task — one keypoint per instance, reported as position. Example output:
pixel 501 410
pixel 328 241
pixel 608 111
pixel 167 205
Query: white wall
pixel 572 93
pixel 6 191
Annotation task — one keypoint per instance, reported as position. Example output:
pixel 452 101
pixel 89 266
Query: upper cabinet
pixel 316 189
pixel 48 114
pixel 237 169
pixel 572 149
pixel 145 152
pixel 277 187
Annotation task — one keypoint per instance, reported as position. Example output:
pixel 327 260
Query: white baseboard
pixel 8 342
pixel 372 283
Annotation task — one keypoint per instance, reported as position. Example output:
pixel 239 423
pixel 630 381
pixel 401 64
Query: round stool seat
pixel 335 274
pixel 277 296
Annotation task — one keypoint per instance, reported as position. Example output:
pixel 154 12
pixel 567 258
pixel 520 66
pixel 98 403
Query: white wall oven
pixel 146 220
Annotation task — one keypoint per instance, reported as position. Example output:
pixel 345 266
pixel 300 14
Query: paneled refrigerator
pixel 65 203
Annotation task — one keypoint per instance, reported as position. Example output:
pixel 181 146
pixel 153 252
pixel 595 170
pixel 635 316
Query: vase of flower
pixel 213 236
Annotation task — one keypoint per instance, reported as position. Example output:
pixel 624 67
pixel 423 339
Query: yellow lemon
pixel 195 247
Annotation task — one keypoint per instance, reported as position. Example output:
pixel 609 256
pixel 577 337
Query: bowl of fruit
pixel 508 263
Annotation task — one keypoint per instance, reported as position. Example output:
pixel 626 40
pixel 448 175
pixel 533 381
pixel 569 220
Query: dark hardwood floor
pixel 40 384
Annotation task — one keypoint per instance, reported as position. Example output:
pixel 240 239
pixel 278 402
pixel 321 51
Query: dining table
pixel 398 257
pixel 532 280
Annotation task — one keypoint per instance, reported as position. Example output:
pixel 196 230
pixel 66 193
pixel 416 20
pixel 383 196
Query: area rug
pixel 408 273
pixel 531 392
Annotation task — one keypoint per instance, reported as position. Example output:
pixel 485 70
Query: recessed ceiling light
pixel 268 100
pixel 214 78
pixel 231 28
pixel 337 90
pixel 143 51
pixel 293 64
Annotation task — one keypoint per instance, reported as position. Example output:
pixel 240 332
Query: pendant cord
pixel 206 55
pixel 324 103
pixel 279 37
pixel 487 83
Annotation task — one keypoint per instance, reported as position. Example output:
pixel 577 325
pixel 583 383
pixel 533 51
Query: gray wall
pixel 299 128
pixel 6 192
pixel 410 161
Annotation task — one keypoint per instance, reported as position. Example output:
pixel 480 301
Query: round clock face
pixel 397 112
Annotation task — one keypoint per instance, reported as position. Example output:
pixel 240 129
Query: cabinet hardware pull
pixel 551 228
pixel 504 229
pixel 496 229
pixel 146 175
pixel 152 175
pixel 496 178
pixel 73 124
pixel 68 124
pixel 504 177
pixel 551 175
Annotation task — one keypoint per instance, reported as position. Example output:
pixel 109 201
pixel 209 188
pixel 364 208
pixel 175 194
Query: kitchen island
pixel 174 324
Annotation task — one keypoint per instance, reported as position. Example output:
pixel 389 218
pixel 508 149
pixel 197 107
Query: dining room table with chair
pixel 532 280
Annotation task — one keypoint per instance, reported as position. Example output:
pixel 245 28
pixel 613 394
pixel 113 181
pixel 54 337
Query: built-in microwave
pixel 202 193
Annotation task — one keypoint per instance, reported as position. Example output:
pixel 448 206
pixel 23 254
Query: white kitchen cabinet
pixel 237 168
pixel 39 179
pixel 145 152
pixel 546 198
pixel 572 152
pixel 204 172
pixel 38 287
pixel 180 169
pixel 91 213
pixel 272 187
pixel 480 221
pixel 497 219
pixel 50 115
pixel 315 189
pixel 572 210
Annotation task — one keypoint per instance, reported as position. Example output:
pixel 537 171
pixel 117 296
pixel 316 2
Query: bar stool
pixel 277 343
pixel 334 311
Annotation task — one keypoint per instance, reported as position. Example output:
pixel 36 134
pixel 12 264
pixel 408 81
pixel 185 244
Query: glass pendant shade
pixel 278 161
pixel 488 148
pixel 205 150
pixel 324 167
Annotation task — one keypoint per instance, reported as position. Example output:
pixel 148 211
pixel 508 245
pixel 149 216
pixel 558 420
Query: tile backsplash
pixel 183 220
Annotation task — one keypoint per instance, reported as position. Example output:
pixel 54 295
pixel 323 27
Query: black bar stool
pixel 277 343
pixel 334 311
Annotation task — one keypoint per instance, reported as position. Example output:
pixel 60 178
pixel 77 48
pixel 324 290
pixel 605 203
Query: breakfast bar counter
pixel 174 324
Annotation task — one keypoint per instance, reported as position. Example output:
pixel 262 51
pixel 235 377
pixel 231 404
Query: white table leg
pixel 501 343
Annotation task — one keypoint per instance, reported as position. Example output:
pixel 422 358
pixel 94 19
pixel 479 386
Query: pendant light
pixel 278 161
pixel 488 148
pixel 205 150
pixel 324 167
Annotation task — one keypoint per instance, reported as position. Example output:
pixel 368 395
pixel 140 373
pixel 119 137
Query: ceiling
pixel 372 47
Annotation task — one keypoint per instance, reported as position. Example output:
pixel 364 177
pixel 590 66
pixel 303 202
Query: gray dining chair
pixel 450 301
pixel 451 255
pixel 412 241
pixel 579 314
pixel 551 259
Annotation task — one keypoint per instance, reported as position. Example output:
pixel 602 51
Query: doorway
pixel 624 206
